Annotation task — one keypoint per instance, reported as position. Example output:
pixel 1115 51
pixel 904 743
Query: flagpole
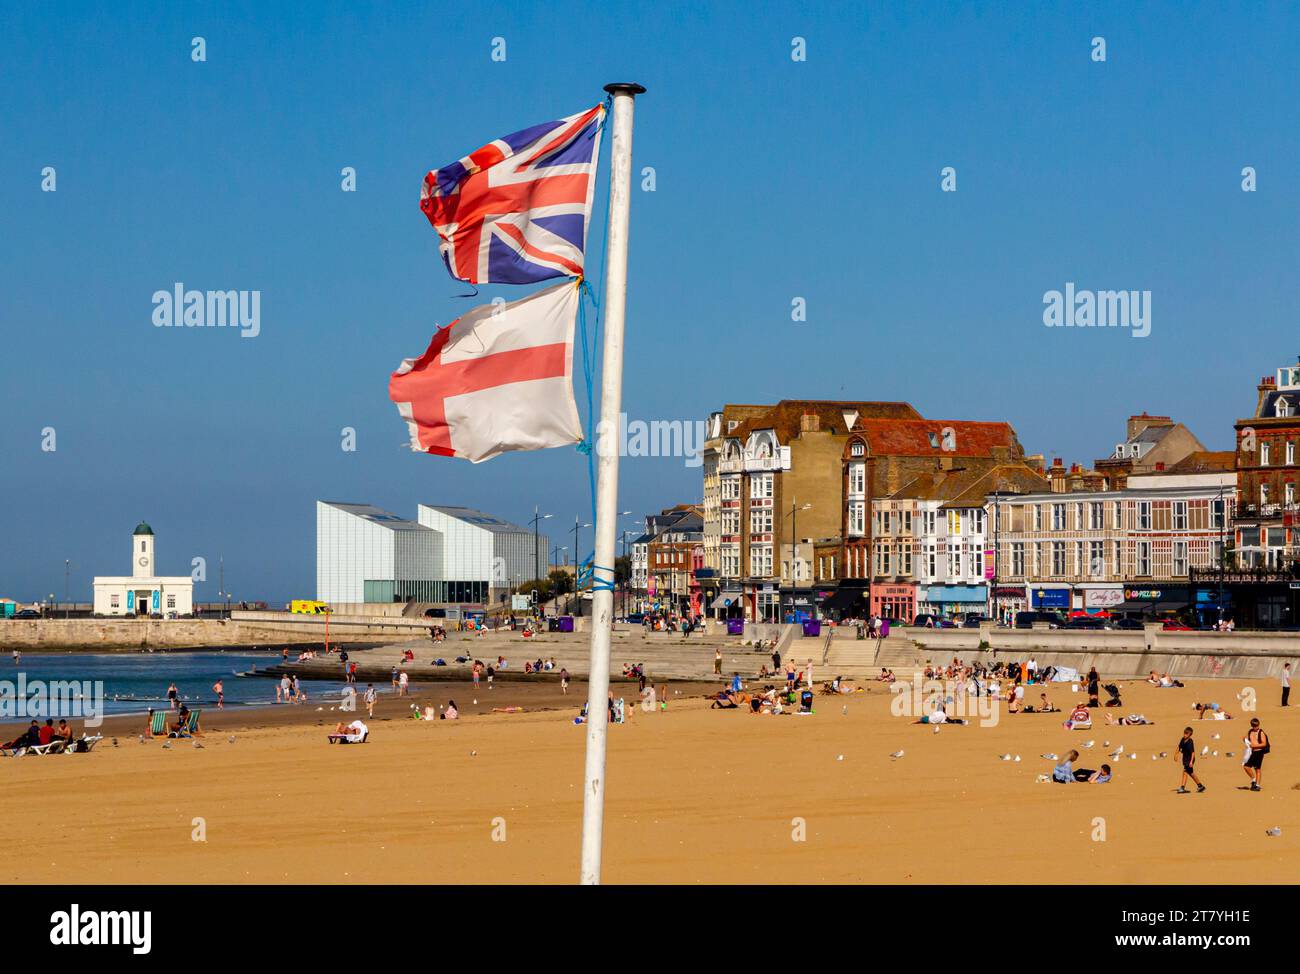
pixel 607 450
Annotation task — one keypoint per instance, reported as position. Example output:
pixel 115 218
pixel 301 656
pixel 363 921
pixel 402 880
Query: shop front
pixel 952 601
pixel 849 600
pixel 1045 598
pixel 1007 601
pixel 894 601
pixel 1155 602
pixel 763 602
pixel 797 606
pixel 728 604
pixel 1100 599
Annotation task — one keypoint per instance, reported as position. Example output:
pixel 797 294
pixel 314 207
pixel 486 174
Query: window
pixel 857 517
pixel 906 518
pixel 760 560
pixel 1058 558
pixel 1116 515
pixel 884 522
pixel 857 450
pixel 1263 454
pixel 954 562
pixel 1144 516
pixel 1058 517
pixel 1180 516
pixel 857 478
pixel 954 522
pixel 884 559
pixel 1038 517
pixel 760 521
pixel 1095 516
pixel 1144 558
pixel 1283 407
pixel 905 560
pixel 1096 559
pixel 760 485
pixel 1118 557
pixel 1290 453
pixel 1180 558
pixel 171 601
pixel 142 546
pixel 977 521
pixel 1289 496
pixel 1263 494
pixel 731 488
pixel 115 601
pixel 731 522
pixel 1018 559
pixel 928 521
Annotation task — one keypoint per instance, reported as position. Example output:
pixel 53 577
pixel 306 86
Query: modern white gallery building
pixel 452 555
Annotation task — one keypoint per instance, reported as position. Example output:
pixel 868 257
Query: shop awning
pixel 1146 605
pixel 724 600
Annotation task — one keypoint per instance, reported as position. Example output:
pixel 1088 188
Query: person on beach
pixel 343 659
pixel 1094 687
pixel 1286 683
pixel 173 696
pixel 776 662
pixel 717 661
pixel 403 683
pixel 18 658
pixel 564 680
pixel 354 732
pixel 1132 720
pixel 1187 750
pixel 1063 773
pixel 1257 746
pixel 475 670
pixel 284 689
pixel 1093 777
pixel 1214 711
pixel 451 713
pixel 370 698
pixel 299 695
pixel 394 675
pixel 219 689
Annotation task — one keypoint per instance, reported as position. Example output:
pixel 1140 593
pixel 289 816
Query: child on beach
pixel 1187 749
pixel 370 698
pixel 1063 773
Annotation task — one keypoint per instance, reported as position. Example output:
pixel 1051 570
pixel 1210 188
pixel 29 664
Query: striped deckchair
pixel 157 723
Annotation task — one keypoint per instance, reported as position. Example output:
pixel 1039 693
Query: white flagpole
pixel 607 448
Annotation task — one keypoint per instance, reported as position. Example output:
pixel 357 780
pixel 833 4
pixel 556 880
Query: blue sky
pixel 775 180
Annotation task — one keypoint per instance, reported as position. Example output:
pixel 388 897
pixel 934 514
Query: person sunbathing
pixel 939 716
pixel 353 732
pixel 1080 718
pixel 1212 710
pixel 1047 707
pixel 1132 720
pixel 28 738
pixel 724 700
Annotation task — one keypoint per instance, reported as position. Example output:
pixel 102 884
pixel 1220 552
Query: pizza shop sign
pixel 1142 594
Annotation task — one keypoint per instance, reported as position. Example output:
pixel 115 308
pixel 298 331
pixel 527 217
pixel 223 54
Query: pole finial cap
pixel 625 88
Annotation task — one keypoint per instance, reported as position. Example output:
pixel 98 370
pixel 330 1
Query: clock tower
pixel 142 551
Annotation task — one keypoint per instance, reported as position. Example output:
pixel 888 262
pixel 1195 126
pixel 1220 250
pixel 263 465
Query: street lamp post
pixel 67 575
pixel 537 554
pixel 795 508
pixel 576 566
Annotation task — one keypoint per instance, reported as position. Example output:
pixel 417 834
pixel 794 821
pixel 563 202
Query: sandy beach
pixel 694 796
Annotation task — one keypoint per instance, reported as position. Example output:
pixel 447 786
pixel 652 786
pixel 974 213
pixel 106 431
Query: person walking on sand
pixel 1187 750
pixel 284 690
pixel 564 679
pixel 394 679
pixel 1257 746
pixel 475 670
pixel 299 696
pixel 370 698
pixel 220 691
pixel 403 684
pixel 1286 683
pixel 717 661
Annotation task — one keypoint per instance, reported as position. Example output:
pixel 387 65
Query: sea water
pixel 135 682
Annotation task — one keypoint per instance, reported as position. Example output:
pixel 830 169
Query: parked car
pixel 1126 623
pixel 635 618
pixel 1173 625
pixel 1085 622
pixel 930 620
pixel 973 620
pixel 27 614
pixel 1026 620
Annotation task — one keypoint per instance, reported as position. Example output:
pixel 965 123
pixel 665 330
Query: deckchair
pixel 191 728
pixel 343 738
pixel 157 723
pixel 84 745
pixel 56 746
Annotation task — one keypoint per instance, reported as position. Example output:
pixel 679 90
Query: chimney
pixel 1057 462
pixel 810 423
pixel 1160 466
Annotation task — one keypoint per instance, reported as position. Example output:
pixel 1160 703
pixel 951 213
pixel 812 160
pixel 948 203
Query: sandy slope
pixel 694 796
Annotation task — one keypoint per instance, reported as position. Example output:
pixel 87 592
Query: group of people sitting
pixel 429 713
pixel 886 676
pixel 771 700
pixel 537 666
pixel 38 734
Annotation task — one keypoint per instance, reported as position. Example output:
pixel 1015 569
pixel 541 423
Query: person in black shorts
pixel 1187 749
pixel 1259 746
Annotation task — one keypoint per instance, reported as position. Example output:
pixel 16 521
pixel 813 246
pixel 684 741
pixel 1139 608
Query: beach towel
pixel 1065 674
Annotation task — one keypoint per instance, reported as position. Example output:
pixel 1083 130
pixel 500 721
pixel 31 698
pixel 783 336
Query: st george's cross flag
pixel 516 211
pixel 497 378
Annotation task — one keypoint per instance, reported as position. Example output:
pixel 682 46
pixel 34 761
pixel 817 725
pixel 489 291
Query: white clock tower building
pixel 144 593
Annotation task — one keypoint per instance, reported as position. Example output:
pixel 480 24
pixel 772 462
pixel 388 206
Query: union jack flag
pixel 516 211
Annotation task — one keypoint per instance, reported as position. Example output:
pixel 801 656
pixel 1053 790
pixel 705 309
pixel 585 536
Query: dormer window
pixel 1284 407
pixel 1119 449
pixel 857 450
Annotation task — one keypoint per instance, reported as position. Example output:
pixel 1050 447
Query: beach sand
pixel 694 796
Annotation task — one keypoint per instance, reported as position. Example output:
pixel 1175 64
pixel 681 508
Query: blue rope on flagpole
pixel 589 349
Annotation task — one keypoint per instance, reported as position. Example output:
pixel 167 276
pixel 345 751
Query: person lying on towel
pixel 353 733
